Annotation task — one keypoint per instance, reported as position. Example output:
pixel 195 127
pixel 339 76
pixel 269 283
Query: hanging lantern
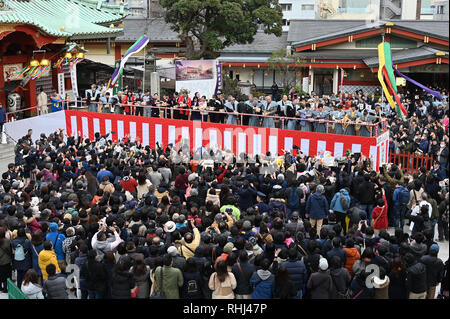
pixel 68 55
pixel 34 63
pixel 80 55
pixel 111 26
pixel 45 62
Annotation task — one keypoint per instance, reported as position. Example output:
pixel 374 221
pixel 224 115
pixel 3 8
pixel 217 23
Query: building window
pixel 307 7
pixel 286 22
pixel 286 6
pixel 440 10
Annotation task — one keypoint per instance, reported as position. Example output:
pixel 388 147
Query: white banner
pixel 73 80
pixel 305 84
pixel 61 85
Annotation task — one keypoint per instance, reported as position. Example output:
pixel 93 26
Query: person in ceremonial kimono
pixel 306 113
pixel 369 119
pixel 218 105
pixel 351 116
pixel 338 115
pixel 256 107
pixel 106 101
pixel 269 109
pixel 231 106
pixel 282 105
pixel 291 111
pixel 92 98
pixel 320 114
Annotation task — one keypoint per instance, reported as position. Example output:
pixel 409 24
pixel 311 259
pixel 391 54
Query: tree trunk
pixel 190 50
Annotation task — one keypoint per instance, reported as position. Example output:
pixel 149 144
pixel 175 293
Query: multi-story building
pixel 297 9
pixel 440 8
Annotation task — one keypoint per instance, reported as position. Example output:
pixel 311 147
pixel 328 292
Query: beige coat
pixel 412 198
pixel 222 290
pixel 215 199
pixel 107 188
pixel 42 101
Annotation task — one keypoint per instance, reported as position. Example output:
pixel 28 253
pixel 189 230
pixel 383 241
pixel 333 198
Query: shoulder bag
pixel 159 294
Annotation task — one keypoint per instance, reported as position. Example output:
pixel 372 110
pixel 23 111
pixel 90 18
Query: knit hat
pixel 219 217
pixel 228 248
pixel 434 247
pixel 172 251
pixel 53 227
pixel 323 264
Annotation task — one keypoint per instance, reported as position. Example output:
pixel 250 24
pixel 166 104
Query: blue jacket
pixel 35 257
pixel 395 196
pixel 60 255
pixel 317 206
pixel 105 172
pixel 341 253
pixel 297 272
pixel 336 201
pixel 2 115
pixel 440 173
pixel 423 146
pixel 263 283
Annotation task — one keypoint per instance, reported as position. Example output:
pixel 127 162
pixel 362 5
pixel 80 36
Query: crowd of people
pixel 161 223
pixel 170 223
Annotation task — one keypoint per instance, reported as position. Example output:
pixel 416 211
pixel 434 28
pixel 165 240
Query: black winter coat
pixel 121 285
pixel 96 276
pixel 416 278
pixel 243 286
pixel 435 269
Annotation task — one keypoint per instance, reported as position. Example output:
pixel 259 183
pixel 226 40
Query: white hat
pixel 379 282
pixel 170 226
pixel 172 251
pixel 323 264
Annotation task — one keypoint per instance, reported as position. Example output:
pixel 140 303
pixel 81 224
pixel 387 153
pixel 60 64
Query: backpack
pixel 344 203
pixel 192 287
pixel 293 200
pixel 19 253
pixel 403 196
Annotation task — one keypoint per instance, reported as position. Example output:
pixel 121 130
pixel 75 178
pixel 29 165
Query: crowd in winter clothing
pixel 160 223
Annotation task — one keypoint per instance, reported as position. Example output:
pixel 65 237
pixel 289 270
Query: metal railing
pixel 241 118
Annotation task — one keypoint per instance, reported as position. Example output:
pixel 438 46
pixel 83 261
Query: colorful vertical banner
pixel 219 78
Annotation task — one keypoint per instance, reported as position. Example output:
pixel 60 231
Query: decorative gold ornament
pixel 34 63
pixel 45 62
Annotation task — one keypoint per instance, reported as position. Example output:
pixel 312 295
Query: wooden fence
pixel 411 162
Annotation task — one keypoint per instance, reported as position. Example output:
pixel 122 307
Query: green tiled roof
pixel 79 17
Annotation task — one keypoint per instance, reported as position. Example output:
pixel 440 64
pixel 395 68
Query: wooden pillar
pixel 118 52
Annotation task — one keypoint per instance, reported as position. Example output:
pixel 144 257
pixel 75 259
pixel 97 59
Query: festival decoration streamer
pixel 423 87
pixel 387 82
pixel 135 48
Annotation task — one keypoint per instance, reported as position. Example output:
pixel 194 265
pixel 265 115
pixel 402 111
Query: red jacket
pixel 125 101
pixel 129 184
pixel 187 101
pixel 382 222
